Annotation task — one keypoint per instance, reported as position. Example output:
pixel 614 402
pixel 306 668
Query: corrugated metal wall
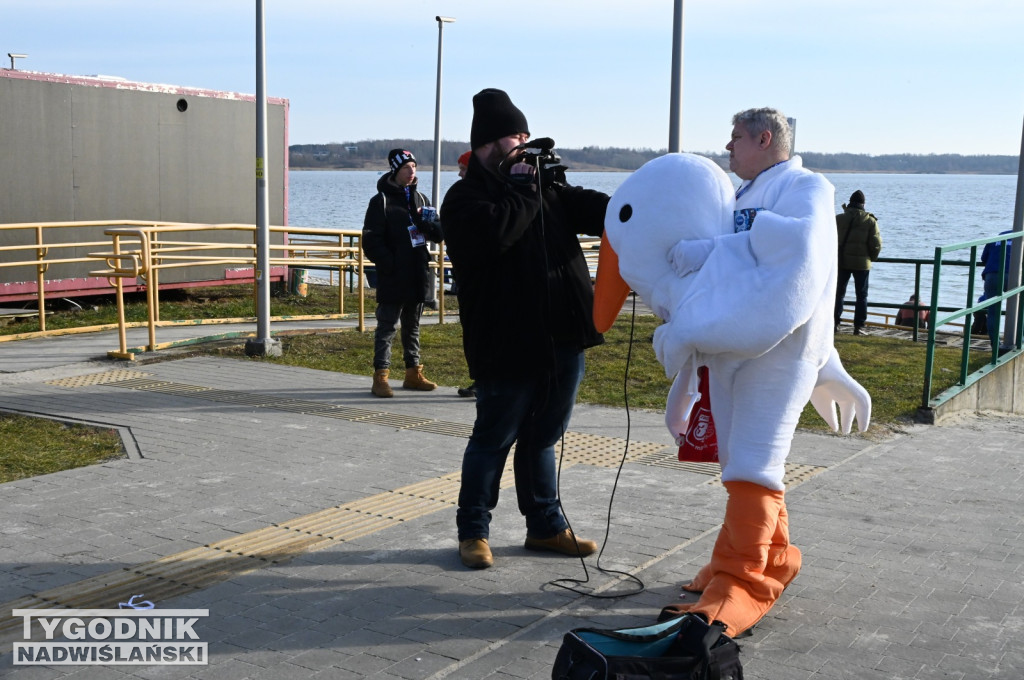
pixel 86 149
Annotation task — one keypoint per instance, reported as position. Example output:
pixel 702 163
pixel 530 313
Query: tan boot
pixel 475 553
pixel 414 380
pixel 381 388
pixel 565 542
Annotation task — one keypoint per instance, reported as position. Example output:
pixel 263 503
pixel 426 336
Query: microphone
pixel 541 144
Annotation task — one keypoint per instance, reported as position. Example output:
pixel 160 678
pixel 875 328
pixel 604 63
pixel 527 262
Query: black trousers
pixel 860 287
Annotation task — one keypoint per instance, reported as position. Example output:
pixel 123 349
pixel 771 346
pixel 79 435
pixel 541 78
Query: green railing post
pixel 996 344
pixel 933 315
pixel 1019 331
pixel 917 300
pixel 965 354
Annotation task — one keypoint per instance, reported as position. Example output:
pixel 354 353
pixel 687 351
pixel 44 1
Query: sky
pixel 868 77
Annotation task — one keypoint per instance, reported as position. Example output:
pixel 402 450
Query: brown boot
pixel 414 380
pixel 565 542
pixel 381 388
pixel 475 553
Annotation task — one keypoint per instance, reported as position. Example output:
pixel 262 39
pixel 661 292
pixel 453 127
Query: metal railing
pixel 918 264
pixel 47 244
pixel 139 250
pixel 142 252
pixel 1012 335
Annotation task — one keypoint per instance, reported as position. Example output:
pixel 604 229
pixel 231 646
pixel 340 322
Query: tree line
pixel 372 155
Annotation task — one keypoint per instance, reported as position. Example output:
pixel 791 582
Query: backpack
pixel 685 648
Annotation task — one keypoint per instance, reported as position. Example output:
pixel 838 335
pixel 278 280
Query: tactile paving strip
pixel 578 447
pixel 600 451
pixel 796 473
pixel 669 457
pixel 98 378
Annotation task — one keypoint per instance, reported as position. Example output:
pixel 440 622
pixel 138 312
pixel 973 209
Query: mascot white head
pixel 673 197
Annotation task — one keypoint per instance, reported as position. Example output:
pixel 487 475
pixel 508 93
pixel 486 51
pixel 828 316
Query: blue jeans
pixel 532 411
pixel 388 314
pixel 860 287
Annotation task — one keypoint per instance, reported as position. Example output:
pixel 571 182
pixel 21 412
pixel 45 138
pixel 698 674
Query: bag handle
pixel 716 629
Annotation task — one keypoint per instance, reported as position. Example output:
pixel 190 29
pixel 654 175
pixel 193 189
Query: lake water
pixel 915 213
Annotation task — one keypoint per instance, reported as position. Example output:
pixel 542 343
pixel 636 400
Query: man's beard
pixel 494 159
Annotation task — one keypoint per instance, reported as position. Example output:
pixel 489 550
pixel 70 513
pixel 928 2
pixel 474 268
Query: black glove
pixel 553 176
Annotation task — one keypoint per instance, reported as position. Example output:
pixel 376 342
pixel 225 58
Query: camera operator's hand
pixel 522 174
pixel 553 176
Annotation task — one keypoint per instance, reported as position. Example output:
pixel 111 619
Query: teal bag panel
pixel 647 641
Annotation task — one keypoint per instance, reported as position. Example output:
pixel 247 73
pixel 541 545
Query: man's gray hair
pixel 756 121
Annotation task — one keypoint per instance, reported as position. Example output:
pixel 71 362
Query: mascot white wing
pixel 835 387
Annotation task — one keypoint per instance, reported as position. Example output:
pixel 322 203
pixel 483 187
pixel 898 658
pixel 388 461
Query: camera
pixel 536 152
pixel 541 155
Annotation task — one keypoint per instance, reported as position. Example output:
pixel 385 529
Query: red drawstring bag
pixel 701 443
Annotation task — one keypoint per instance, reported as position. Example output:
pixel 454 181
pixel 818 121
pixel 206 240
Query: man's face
pixel 495 152
pixel 506 144
pixel 406 174
pixel 747 153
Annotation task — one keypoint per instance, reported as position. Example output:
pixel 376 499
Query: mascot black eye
pixel 625 213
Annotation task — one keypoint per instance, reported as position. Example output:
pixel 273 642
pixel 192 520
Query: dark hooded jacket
pixel 524 286
pixel 860 241
pixel 402 270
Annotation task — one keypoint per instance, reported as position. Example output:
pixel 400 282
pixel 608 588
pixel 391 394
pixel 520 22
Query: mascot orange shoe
pixel 752 562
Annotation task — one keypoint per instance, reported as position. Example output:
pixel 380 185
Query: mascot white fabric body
pixel 753 305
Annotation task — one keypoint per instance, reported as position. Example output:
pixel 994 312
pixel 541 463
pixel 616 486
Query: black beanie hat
pixel 857 197
pixel 399 157
pixel 494 117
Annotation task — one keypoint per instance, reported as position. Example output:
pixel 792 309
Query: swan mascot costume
pixel 754 306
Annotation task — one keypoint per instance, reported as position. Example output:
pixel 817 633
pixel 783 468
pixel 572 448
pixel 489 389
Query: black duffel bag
pixel 686 648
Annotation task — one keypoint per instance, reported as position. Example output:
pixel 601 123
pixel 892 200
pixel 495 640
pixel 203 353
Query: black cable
pixel 563 582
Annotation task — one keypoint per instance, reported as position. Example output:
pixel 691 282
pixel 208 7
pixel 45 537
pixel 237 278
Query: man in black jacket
pixel 525 302
pixel 395 235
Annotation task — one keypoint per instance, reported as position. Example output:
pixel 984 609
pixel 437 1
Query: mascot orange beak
pixel 610 291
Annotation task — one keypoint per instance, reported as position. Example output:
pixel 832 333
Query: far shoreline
pixel 427 169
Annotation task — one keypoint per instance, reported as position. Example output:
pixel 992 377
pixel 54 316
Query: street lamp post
pixel 262 344
pixel 435 187
pixel 676 95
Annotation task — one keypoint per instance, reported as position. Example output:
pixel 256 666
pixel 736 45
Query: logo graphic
pixel 100 637
pixel 701 434
pixel 743 219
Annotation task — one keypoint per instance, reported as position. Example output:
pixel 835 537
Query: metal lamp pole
pixel 1012 321
pixel 262 344
pixel 435 187
pixel 676 97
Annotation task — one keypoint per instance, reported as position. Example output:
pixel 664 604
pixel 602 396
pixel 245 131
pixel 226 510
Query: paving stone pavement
pixel 912 542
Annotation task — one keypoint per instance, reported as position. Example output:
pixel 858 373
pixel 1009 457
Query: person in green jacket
pixel 860 242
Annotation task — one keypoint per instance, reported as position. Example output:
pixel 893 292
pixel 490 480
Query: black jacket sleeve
pixel 375 236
